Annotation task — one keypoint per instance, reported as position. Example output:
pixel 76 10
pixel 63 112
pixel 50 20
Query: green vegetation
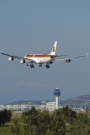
pixel 35 122
pixel 5 116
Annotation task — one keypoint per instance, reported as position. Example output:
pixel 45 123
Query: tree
pixel 5 116
pixel 80 125
pixel 15 129
pixel 67 114
pixel 31 121
pixel 57 125
pixel 43 122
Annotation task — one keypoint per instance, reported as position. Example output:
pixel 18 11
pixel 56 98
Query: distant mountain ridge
pixel 83 101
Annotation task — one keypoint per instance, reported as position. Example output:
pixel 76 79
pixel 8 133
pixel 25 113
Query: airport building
pixel 50 106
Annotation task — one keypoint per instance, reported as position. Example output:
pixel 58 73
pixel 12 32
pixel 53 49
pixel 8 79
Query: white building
pixel 50 106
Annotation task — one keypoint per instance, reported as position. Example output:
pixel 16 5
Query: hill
pixel 80 101
pixel 83 101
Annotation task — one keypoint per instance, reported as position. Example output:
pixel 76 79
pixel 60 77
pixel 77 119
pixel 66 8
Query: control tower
pixel 57 94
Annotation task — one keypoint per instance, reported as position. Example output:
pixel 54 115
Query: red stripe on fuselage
pixel 39 55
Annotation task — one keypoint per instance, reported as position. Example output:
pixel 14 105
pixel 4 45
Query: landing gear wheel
pixel 32 66
pixel 47 66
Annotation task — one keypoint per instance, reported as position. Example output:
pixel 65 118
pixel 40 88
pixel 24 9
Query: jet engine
pixel 22 61
pixel 10 58
pixel 68 60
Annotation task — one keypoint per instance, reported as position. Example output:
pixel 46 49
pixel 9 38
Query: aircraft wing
pixel 18 57
pixel 12 56
pixel 68 59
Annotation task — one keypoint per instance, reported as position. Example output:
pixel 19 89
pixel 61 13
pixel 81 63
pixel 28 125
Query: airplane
pixel 31 59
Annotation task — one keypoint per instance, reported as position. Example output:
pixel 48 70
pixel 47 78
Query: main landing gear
pixel 47 66
pixel 40 65
pixel 31 65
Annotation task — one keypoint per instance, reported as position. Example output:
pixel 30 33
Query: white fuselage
pixel 39 58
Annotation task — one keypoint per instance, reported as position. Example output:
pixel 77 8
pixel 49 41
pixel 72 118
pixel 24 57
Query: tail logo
pixel 54 49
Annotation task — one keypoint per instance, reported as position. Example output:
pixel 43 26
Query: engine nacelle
pixel 10 58
pixel 22 61
pixel 68 60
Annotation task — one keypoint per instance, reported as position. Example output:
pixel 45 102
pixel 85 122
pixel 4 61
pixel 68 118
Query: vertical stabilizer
pixel 54 49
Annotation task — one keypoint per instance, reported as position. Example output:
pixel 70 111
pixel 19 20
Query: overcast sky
pixel 31 26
